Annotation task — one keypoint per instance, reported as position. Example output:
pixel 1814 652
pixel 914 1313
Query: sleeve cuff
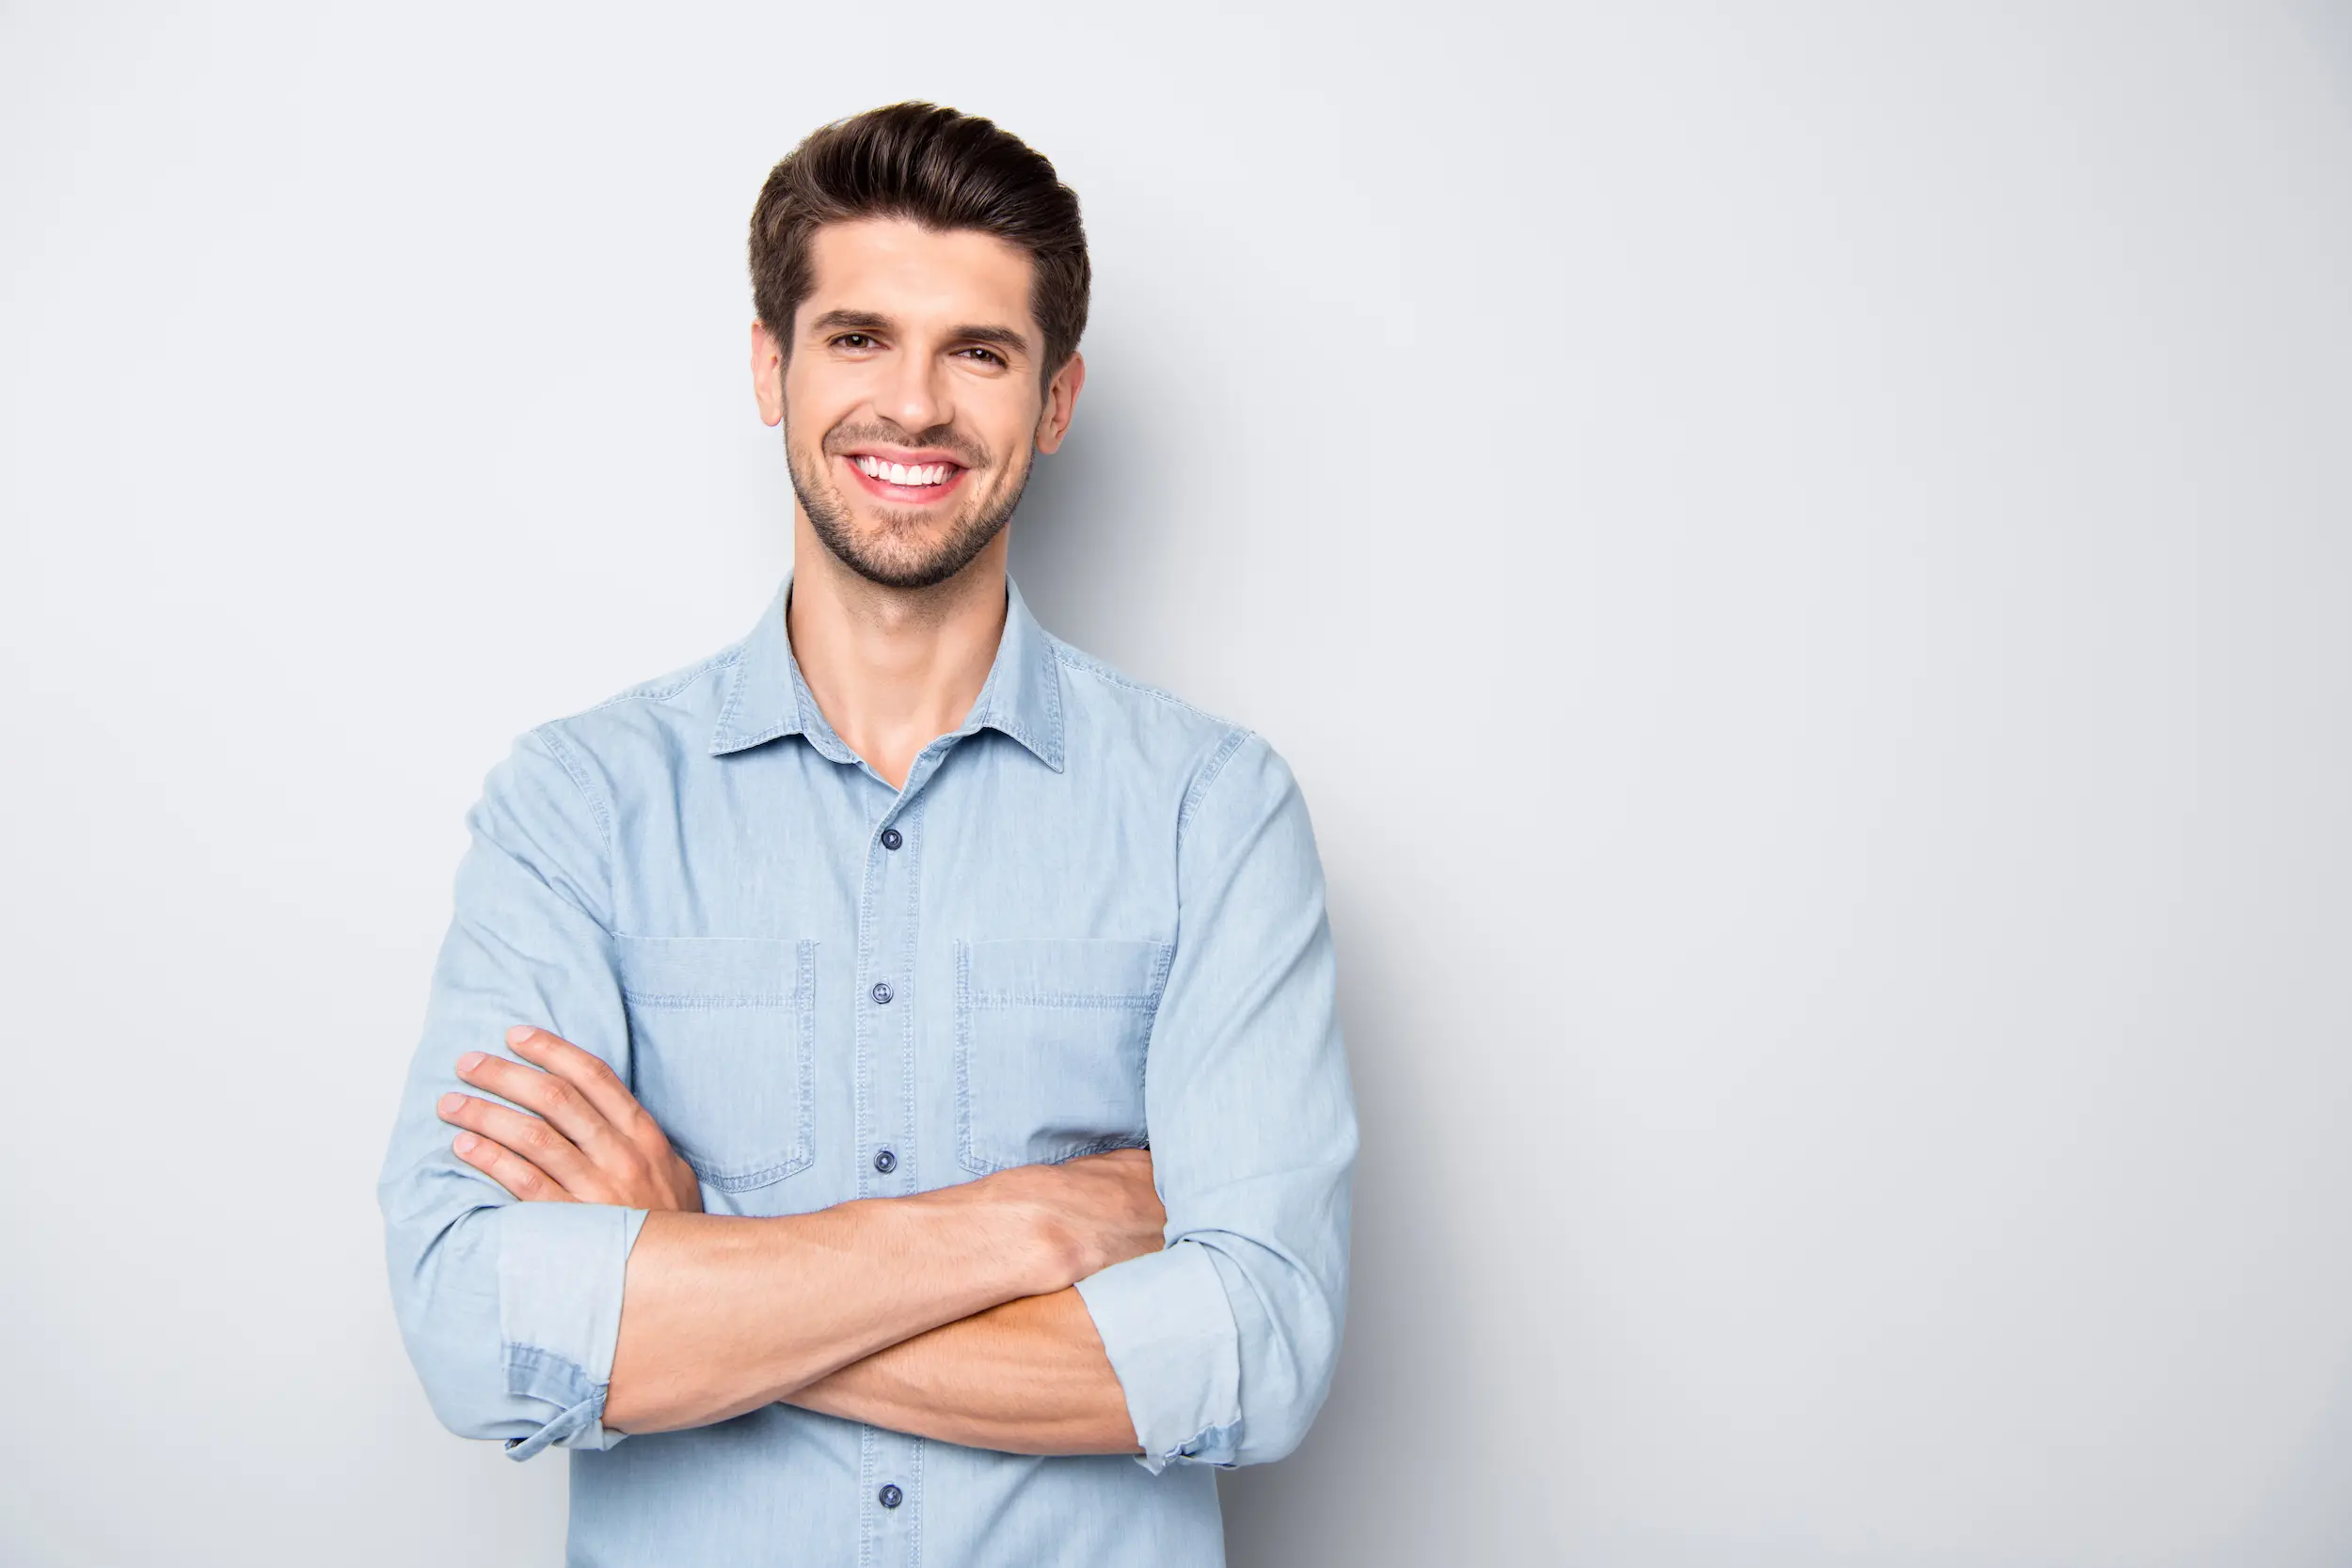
pixel 1168 1330
pixel 561 1269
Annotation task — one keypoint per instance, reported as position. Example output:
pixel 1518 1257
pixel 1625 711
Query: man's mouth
pixel 892 480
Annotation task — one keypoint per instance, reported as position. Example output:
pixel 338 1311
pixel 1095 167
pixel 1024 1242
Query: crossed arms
pixel 947 1314
pixel 1183 1306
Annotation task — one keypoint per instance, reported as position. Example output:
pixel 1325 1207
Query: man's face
pixel 910 402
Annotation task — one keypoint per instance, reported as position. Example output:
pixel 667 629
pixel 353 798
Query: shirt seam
pixel 660 688
pixel 1078 659
pixel 1210 772
pixel 572 770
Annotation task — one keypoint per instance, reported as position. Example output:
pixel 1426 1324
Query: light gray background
pixel 1800 554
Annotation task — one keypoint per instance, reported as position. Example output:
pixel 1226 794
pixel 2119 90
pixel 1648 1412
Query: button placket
pixel 890 1525
pixel 886 1089
pixel 886 1001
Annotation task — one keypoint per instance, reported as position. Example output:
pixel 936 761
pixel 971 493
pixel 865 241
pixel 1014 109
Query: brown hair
pixel 942 170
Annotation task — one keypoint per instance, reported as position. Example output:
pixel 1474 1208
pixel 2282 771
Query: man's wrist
pixel 1039 1250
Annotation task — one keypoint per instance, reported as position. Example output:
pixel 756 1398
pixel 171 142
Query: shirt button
pixel 883 993
pixel 890 1496
pixel 891 839
pixel 885 1161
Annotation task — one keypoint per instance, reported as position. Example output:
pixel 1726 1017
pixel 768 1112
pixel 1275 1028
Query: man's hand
pixel 593 1143
pixel 589 1143
pixel 1094 1210
pixel 723 1315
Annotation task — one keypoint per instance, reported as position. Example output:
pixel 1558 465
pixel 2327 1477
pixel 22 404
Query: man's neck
pixel 893 668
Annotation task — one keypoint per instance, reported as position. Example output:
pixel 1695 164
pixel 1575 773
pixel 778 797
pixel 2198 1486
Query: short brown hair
pixel 942 170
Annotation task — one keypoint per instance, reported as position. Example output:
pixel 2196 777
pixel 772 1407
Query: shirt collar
pixel 767 696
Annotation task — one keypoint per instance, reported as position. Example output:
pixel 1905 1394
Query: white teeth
pixel 901 473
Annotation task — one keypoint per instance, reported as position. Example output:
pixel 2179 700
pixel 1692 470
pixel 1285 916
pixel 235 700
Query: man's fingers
pixel 571 1124
pixel 549 1152
pixel 557 1101
pixel 509 1169
pixel 586 1071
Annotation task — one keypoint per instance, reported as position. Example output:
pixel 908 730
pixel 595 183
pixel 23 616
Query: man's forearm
pixel 723 1314
pixel 1028 1376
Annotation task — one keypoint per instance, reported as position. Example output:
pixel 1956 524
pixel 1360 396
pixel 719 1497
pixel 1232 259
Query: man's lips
pixel 930 477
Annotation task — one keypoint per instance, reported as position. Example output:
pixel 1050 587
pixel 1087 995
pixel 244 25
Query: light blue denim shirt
pixel 1092 919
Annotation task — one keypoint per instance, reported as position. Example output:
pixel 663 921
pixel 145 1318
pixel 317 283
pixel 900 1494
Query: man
pixel 882 1099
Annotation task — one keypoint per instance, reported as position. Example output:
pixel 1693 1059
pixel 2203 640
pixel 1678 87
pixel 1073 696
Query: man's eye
pixel 987 354
pixel 853 339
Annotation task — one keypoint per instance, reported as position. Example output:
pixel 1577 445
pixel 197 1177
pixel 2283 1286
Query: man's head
pixel 921 281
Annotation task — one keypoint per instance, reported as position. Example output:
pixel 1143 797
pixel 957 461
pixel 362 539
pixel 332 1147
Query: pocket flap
pixel 707 971
pixel 1066 972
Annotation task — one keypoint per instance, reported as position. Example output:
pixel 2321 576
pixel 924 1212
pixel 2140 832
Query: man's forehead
pixel 895 266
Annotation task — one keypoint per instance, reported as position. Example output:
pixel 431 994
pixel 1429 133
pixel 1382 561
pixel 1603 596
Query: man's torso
pixel 834 989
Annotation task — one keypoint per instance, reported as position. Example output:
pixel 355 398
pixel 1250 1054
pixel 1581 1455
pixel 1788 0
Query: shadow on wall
pixel 2308 1513
pixel 1397 1352
pixel 1086 529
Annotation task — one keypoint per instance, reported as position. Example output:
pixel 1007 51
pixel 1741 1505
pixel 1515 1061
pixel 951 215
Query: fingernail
pixel 520 1033
pixel 450 1102
pixel 470 1061
pixel 463 1143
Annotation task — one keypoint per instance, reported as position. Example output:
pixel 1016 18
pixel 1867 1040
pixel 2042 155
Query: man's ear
pixel 1061 401
pixel 767 372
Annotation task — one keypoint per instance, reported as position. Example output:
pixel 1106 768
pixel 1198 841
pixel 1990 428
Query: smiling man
pixel 880 1099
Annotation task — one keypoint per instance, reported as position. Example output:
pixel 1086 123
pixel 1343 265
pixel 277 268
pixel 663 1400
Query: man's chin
pixel 904 574
pixel 901 558
pixel 905 548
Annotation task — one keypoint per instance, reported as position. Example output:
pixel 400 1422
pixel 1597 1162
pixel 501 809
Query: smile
pixel 905 482
pixel 902 473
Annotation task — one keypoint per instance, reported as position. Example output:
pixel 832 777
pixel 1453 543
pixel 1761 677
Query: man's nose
pixel 916 398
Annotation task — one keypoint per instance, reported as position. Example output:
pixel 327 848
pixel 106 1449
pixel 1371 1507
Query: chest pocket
pixel 721 1051
pixel 1051 1035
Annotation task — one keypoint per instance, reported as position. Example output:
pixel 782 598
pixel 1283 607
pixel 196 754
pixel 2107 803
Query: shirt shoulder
pixel 1122 720
pixel 1087 679
pixel 661 719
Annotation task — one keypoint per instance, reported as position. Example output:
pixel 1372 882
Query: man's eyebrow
pixel 850 320
pixel 873 321
pixel 1003 336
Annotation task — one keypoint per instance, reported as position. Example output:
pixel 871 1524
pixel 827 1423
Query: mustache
pixel 946 437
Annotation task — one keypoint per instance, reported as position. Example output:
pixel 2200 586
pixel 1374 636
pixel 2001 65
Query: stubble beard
pixel 910 564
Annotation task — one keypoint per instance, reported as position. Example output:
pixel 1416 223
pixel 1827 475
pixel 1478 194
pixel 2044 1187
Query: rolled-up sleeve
pixel 510 1310
pixel 1225 1340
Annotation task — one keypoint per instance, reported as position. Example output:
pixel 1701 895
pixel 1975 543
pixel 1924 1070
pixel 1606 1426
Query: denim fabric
pixel 1092 919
